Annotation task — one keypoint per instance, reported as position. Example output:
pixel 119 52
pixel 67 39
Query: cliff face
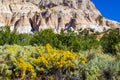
pixel 27 16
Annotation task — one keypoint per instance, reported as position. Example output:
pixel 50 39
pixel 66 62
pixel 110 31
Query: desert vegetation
pixel 45 55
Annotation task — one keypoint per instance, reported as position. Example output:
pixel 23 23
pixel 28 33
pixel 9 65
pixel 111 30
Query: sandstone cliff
pixel 27 16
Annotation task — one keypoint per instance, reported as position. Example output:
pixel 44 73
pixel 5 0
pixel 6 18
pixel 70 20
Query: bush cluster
pixel 102 67
pixel 68 41
pixel 27 62
pixel 110 41
pixel 81 41
pixel 45 55
pixel 45 62
pixel 8 37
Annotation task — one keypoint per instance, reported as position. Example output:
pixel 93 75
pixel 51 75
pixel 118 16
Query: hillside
pixel 27 16
pixel 87 46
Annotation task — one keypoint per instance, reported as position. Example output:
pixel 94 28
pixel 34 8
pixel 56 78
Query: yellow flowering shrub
pixel 12 48
pixel 24 67
pixel 35 61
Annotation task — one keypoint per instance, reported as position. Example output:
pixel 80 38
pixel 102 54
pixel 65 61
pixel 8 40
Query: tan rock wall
pixel 25 15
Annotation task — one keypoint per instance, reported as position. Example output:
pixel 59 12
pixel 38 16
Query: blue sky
pixel 109 8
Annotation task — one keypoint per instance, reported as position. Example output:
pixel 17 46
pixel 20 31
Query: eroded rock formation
pixel 27 16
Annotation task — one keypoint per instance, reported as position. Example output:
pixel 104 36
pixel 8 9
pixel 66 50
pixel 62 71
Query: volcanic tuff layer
pixel 27 16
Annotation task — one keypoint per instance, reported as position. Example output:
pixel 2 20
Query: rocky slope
pixel 27 16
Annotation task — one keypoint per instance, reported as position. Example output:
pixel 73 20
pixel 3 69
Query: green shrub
pixel 4 35
pixel 24 39
pixel 41 7
pixel 67 41
pixel 8 37
pixel 100 19
pixel 102 67
pixel 110 40
pixel 43 37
